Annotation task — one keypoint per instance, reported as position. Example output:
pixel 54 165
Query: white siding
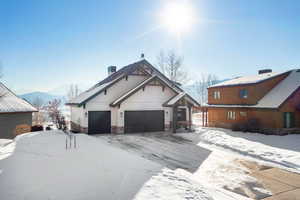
pixel 102 101
pixel 77 115
pixel 151 98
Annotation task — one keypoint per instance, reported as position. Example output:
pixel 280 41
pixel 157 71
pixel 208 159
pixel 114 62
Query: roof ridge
pixel 245 80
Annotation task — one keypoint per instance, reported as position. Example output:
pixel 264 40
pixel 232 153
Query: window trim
pixel 244 94
pixel 217 94
pixel 231 115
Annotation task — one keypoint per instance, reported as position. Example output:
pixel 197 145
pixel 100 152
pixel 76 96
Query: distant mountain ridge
pixel 46 97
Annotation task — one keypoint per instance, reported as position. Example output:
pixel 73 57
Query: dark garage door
pixel 99 122
pixel 144 121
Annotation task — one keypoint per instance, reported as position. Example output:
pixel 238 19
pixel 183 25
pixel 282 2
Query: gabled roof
pixel 110 80
pixel 281 92
pixel 180 96
pixel 11 103
pixel 245 80
pixel 277 96
pixel 137 88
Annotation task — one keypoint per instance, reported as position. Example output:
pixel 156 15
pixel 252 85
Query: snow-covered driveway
pixel 41 168
pixel 164 148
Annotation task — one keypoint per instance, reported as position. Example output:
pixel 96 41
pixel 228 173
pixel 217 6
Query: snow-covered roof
pixel 248 79
pixel 87 94
pixel 179 96
pixel 276 97
pixel 105 83
pixel 281 91
pixel 10 103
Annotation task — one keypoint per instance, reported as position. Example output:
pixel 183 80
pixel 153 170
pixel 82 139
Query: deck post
pixel 190 117
pixel 174 118
pixel 206 118
pixel 203 115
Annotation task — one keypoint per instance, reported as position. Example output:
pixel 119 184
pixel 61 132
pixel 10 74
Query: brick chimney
pixel 111 70
pixel 263 71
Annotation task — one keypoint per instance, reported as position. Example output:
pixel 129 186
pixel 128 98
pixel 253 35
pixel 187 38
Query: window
pixel 243 114
pixel 231 115
pixel 289 119
pixel 217 95
pixel 244 94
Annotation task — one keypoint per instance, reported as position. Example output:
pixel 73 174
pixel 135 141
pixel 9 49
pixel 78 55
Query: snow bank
pixel 281 151
pixel 175 185
pixel 7 147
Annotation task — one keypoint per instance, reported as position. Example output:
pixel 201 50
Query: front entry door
pixel 289 119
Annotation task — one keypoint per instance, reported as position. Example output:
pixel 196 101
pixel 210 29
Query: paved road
pixel 167 149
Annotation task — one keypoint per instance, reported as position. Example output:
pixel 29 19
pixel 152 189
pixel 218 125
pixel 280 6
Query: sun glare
pixel 177 17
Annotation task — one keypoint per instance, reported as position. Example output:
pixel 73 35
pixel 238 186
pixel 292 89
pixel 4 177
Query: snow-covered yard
pixel 41 168
pixel 38 166
pixel 279 151
pixel 236 154
pixel 210 164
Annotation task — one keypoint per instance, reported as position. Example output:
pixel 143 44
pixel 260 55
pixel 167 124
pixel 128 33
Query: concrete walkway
pixel 284 185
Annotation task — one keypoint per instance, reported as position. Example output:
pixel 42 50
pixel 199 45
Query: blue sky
pixel 47 44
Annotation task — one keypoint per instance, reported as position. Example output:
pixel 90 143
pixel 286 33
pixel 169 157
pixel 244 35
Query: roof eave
pixel 247 84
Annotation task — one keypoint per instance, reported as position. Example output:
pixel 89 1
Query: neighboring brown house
pixel 272 99
pixel 15 114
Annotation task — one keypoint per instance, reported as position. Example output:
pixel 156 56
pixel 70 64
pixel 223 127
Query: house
pixel 136 98
pixel 272 99
pixel 15 114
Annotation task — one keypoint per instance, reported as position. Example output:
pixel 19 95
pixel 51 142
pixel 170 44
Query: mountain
pixel 46 97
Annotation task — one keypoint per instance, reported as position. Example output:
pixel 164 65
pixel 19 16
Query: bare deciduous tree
pixel 73 91
pixel 203 83
pixel 53 111
pixel 172 66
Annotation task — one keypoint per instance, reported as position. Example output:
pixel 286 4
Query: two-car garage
pixel 143 121
pixel 134 121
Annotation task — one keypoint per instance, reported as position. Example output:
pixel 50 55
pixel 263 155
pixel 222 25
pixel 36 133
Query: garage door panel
pixel 144 121
pixel 99 122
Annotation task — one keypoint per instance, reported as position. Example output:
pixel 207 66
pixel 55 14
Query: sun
pixel 177 17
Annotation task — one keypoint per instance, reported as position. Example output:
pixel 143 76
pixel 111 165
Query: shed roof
pixel 11 103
